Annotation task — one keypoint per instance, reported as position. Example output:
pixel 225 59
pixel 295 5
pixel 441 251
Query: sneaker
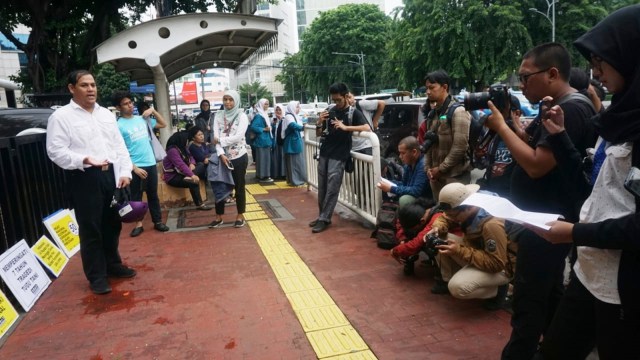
pixel 239 223
pixel 314 222
pixel 161 227
pixel 266 180
pixel 136 231
pixel 215 223
pixel 204 207
pixel 320 227
pixel 440 288
pixel 100 287
pixel 120 271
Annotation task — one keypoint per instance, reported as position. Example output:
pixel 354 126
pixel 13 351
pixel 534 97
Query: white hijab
pixel 259 108
pixel 291 116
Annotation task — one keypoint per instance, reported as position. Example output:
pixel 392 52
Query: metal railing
pixel 358 191
pixel 31 187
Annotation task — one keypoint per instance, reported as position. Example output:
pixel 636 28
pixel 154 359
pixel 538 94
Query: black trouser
pixel 150 186
pixel 91 193
pixel 583 322
pixel 537 289
pixel 194 188
pixel 238 173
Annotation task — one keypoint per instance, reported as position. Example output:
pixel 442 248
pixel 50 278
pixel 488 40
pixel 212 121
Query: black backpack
pixel 385 231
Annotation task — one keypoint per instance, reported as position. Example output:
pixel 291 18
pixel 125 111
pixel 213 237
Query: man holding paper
pixel 84 140
pixel 414 180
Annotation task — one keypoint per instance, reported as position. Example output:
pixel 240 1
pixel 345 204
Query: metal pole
pixel 202 84
pixel 553 21
pixel 364 77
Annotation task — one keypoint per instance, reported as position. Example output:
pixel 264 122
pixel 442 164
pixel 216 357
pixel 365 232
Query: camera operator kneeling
pixel 482 264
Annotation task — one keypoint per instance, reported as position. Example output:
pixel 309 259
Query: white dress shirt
pixel 74 134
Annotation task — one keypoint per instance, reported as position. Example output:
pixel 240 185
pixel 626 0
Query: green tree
pixel 251 93
pixel 108 82
pixel 351 28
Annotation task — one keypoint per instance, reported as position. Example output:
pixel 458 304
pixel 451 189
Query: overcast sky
pixel 391 4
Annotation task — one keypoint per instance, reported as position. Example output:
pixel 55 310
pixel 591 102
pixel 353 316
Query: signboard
pixel 141 89
pixel 8 314
pixel 23 274
pixel 49 255
pixel 189 92
pixel 64 229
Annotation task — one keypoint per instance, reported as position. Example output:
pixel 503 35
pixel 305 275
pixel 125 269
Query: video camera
pixel 430 139
pixel 433 241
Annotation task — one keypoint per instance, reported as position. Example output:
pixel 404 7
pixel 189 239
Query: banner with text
pixel 63 228
pixel 8 314
pixel 50 256
pixel 23 274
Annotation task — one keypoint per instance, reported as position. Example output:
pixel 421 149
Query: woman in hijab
pixel 601 306
pixel 229 128
pixel 278 169
pixel 203 120
pixel 294 157
pixel 261 127
pixel 179 168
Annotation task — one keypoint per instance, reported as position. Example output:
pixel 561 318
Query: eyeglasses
pixel 525 77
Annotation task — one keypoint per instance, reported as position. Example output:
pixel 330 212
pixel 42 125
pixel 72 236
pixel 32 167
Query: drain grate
pixel 275 210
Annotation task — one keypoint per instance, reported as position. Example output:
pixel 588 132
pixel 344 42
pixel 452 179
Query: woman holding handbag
pixel 229 129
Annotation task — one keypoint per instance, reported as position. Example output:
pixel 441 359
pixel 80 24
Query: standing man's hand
pixel 93 162
pixel 140 172
pixel 123 182
pixel 433 173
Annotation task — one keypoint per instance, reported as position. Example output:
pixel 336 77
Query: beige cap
pixel 452 195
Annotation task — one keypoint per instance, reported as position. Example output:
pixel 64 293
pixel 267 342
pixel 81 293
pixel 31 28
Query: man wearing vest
pixel 446 161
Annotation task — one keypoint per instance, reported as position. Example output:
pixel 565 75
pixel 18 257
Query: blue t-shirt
pixel 136 136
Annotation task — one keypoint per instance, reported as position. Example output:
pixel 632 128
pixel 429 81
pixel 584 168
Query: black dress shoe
pixel 314 222
pixel 440 288
pixel 161 227
pixel 100 287
pixel 320 227
pixel 120 271
pixel 136 231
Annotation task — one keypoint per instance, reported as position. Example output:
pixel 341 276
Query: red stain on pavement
pixel 117 300
pixel 163 321
pixel 231 344
pixel 96 357
pixel 144 267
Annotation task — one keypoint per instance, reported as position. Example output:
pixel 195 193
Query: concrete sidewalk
pixel 269 290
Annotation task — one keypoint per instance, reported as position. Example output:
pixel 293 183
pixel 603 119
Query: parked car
pixel 16 122
pixel 398 120
pixel 528 109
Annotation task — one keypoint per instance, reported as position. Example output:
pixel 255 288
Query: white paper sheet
pixel 503 208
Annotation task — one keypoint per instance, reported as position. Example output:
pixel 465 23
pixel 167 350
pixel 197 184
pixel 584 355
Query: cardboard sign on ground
pixel 8 314
pixel 64 229
pixel 23 274
pixel 49 255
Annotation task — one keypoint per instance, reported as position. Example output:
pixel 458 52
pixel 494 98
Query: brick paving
pixel 211 294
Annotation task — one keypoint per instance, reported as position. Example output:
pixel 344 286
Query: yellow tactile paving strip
pixel 327 329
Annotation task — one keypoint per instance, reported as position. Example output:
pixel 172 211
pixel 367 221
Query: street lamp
pixel 361 63
pixel 551 8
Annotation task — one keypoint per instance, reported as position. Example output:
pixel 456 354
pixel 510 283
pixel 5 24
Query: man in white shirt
pixel 371 109
pixel 84 140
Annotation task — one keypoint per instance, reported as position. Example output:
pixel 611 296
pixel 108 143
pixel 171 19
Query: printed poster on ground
pixel 63 228
pixel 23 274
pixel 49 255
pixel 8 314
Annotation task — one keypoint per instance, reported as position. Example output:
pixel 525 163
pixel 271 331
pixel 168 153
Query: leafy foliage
pixel 108 82
pixel 351 28
pixel 253 92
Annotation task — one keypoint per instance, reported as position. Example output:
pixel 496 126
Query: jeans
pixel 150 186
pixel 238 173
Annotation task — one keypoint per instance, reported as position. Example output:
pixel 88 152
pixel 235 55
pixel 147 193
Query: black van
pixel 15 122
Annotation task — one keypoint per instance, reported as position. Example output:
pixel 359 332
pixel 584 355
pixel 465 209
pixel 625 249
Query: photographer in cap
pixel 481 266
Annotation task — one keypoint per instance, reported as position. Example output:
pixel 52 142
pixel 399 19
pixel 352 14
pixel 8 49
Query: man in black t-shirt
pixel 334 127
pixel 537 185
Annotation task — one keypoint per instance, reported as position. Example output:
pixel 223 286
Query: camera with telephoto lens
pixel 433 240
pixel 430 139
pixel 498 94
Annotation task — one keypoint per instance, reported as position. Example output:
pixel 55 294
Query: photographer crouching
pixel 481 266
pixel 334 127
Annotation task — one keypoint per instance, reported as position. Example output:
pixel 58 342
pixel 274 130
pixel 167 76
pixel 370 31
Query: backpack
pixel 476 130
pixel 385 231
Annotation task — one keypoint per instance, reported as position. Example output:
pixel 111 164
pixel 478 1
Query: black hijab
pixel 616 40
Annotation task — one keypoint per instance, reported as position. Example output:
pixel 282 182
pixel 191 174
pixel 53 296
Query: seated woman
pixel 199 150
pixel 178 168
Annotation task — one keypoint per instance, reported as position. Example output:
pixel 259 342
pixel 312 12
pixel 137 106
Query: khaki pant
pixel 466 281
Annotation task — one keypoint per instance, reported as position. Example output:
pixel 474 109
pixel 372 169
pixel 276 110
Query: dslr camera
pixel 430 139
pixel 498 94
pixel 433 241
